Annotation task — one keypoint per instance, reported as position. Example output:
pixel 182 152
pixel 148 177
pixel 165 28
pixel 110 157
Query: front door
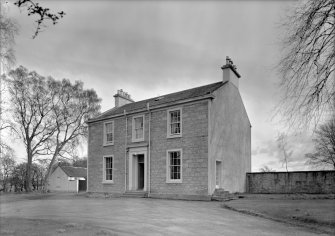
pixel 218 174
pixel 82 185
pixel 140 171
pixel 137 169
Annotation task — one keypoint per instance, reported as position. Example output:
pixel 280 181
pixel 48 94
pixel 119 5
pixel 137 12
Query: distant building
pixel 179 145
pixel 68 179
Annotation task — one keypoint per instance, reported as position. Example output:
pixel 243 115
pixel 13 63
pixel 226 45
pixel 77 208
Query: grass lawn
pixel 317 213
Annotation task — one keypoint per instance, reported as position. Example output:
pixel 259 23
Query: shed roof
pixel 72 171
pixel 162 100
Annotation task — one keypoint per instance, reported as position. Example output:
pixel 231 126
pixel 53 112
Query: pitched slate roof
pixel 72 171
pixel 164 99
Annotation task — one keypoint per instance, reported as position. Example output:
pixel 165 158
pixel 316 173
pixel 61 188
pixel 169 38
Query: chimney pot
pixel 122 98
pixel 230 72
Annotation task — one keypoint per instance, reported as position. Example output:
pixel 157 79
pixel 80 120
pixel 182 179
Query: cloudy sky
pixel 151 48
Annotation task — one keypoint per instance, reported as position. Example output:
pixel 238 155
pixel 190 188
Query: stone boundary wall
pixel 291 182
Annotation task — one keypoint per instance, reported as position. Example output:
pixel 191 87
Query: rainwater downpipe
pixel 149 145
pixel 125 153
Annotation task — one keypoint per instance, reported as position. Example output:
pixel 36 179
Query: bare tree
pixel 18 178
pixel 80 162
pixel 43 14
pixel 324 154
pixel 71 108
pixel 7 164
pixel 266 169
pixel 37 176
pixel 282 143
pixel 8 29
pixel 50 115
pixel 31 101
pixel 308 63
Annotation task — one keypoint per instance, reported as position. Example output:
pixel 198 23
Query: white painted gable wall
pixel 59 182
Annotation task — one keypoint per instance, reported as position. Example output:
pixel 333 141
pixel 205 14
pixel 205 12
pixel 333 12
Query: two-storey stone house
pixel 184 144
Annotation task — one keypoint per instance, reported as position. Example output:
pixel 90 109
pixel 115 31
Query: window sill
pixel 107 182
pixel 174 136
pixel 174 181
pixel 107 144
pixel 137 140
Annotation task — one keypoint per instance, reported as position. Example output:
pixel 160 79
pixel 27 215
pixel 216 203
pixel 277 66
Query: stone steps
pixel 135 194
pixel 222 195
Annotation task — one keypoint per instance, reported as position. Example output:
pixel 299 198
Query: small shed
pixel 68 179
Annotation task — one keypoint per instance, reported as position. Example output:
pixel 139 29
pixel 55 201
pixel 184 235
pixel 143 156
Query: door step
pixel 135 194
pixel 222 195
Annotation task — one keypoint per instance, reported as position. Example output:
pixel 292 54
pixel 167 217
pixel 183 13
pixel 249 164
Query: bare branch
pixel 42 13
pixel 308 64
pixel 324 154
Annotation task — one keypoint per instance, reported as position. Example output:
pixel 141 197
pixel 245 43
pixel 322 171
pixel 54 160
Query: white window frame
pixel 169 135
pixel 104 180
pixel 105 134
pixel 168 179
pixel 134 139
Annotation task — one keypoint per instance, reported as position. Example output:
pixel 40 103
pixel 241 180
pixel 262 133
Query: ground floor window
pixel 174 166
pixel 108 169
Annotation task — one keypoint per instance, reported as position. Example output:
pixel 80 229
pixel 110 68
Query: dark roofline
pixel 209 96
pixel 75 167
pixel 181 101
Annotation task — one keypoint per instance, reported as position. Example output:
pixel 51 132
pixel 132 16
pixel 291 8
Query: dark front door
pixel 82 185
pixel 140 172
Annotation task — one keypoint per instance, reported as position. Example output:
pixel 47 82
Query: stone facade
pixel 193 143
pixel 194 146
pixel 96 152
pixel 291 182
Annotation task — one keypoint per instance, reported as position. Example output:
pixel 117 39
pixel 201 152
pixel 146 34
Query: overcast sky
pixel 151 48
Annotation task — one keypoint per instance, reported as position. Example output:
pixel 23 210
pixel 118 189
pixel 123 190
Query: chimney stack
pixel 122 98
pixel 230 72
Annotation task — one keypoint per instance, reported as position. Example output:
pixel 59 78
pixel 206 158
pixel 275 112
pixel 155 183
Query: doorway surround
pixel 137 159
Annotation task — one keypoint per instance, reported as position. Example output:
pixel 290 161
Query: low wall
pixel 291 182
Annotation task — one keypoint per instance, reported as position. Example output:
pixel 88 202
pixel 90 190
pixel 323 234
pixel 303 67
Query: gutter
pixel 125 153
pixel 208 96
pixel 149 151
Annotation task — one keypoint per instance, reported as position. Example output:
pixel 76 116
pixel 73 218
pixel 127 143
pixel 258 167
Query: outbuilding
pixel 68 179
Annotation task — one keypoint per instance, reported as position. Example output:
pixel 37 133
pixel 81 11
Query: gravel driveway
pixel 137 216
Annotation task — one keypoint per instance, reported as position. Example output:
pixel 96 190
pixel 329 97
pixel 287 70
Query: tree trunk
pixel 47 175
pixel 28 171
pixel 5 183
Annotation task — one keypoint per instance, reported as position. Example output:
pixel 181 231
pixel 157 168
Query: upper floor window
pixel 138 128
pixel 174 123
pixel 174 166
pixel 108 169
pixel 109 133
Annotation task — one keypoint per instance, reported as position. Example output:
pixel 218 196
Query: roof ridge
pixel 183 90
pixel 108 110
pixel 165 95
pixel 72 171
pixel 74 166
pixel 165 99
